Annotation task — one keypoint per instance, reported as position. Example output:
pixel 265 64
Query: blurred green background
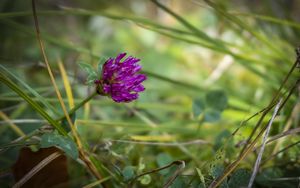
pixel 209 66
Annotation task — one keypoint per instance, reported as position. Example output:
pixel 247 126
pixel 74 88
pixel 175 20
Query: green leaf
pixel 198 107
pixel 92 74
pixel 99 68
pixel 128 173
pixel 141 165
pixel 221 138
pixel 265 177
pixel 240 178
pixel 216 171
pixel 163 159
pixel 178 183
pixel 216 99
pixel 89 69
pixel 91 78
pixel 65 143
pixel 212 115
pixel 145 180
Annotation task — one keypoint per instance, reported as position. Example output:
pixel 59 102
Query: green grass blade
pixel 207 43
pixel 270 19
pixel 33 104
pixel 31 90
pixel 65 45
pixel 251 30
pixel 245 61
pixel 202 35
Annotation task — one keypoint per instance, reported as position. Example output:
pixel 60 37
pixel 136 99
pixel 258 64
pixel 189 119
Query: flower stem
pixel 84 155
pixel 78 106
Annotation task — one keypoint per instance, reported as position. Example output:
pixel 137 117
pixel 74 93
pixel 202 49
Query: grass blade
pixel 66 84
pixel 32 103
pixel 31 90
pixel 244 26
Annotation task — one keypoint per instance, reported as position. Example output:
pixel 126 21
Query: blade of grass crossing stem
pixel 31 90
pixel 67 85
pixel 41 45
pixel 83 154
pixel 32 103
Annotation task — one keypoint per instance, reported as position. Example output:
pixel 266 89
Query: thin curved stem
pixel 78 106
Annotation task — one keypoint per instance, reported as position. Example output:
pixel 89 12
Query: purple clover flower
pixel 121 80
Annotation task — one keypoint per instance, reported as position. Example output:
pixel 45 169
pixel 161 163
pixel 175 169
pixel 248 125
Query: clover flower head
pixel 120 79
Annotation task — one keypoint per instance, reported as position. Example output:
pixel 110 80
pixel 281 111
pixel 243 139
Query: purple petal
pixel 138 88
pixel 120 79
pixel 131 60
pixel 140 78
pixel 119 57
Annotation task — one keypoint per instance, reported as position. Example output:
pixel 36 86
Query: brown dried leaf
pixel 54 174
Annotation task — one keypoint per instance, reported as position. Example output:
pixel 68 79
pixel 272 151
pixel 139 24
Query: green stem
pixel 78 106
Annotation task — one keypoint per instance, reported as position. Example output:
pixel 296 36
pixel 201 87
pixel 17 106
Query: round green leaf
pixel 145 180
pixel 163 159
pixel 198 107
pixel 221 138
pixel 128 173
pixel 63 142
pixel 216 99
pixel 240 178
pixel 212 115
